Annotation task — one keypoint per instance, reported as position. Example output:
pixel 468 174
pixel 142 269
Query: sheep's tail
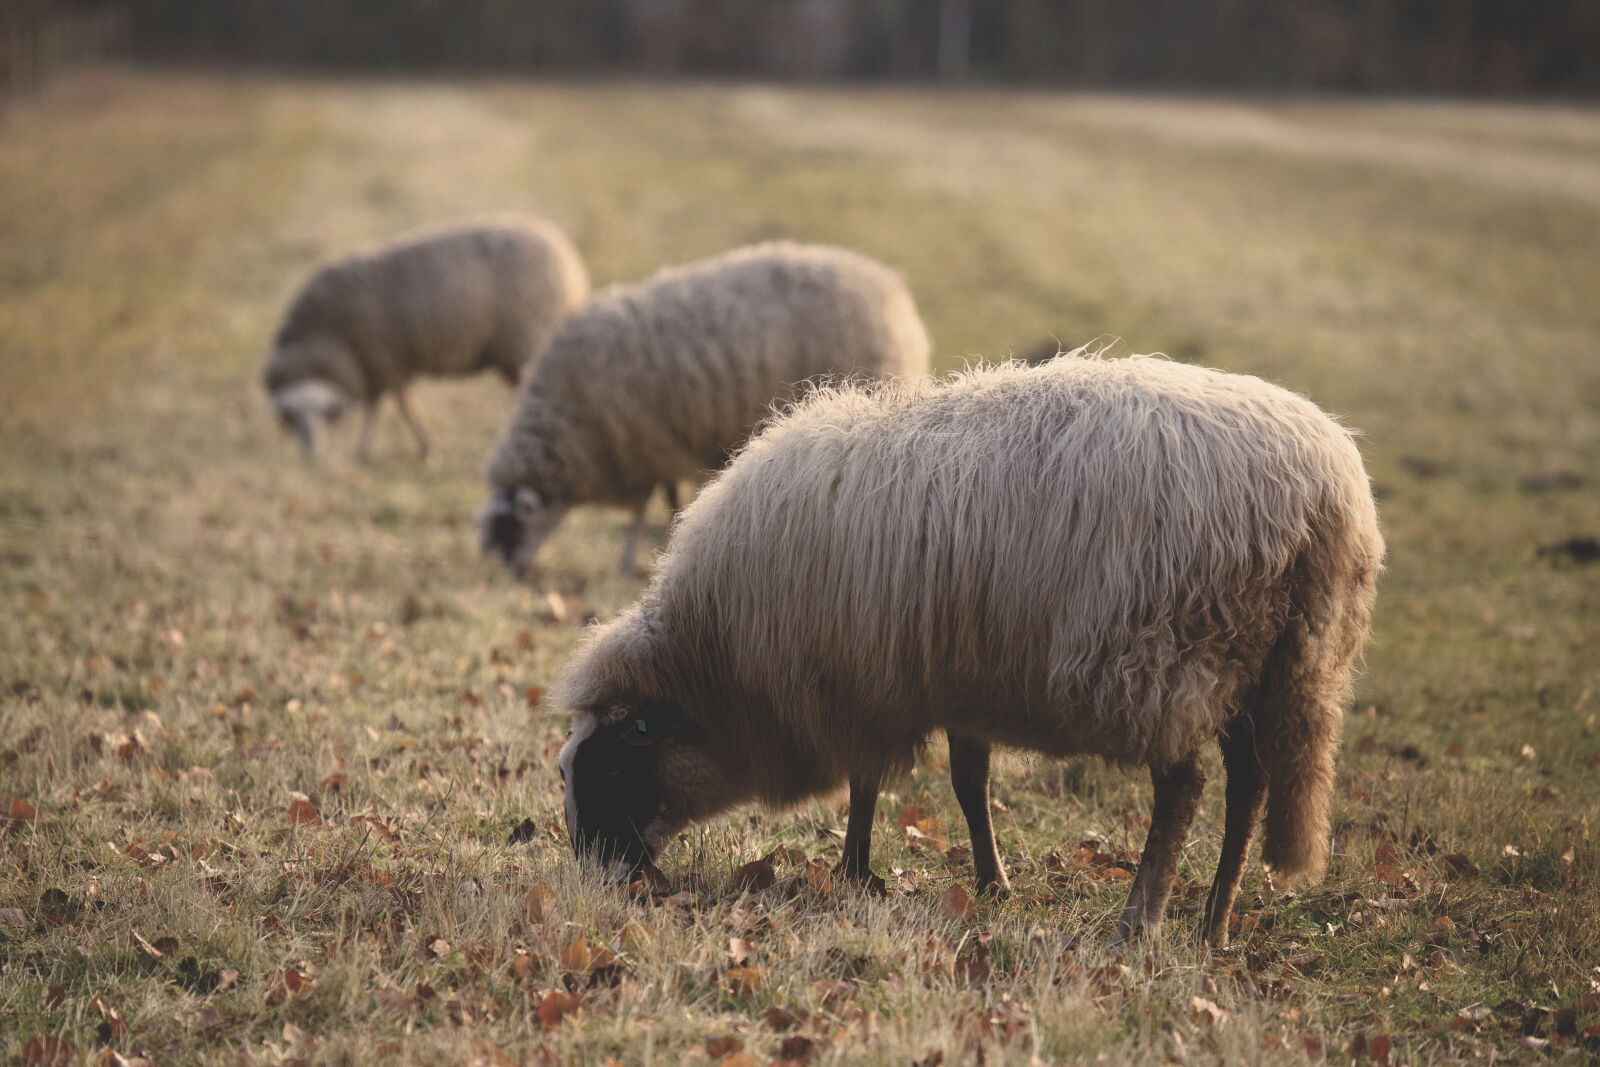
pixel 1300 704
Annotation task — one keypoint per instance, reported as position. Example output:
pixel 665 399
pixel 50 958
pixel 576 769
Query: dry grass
pixel 200 634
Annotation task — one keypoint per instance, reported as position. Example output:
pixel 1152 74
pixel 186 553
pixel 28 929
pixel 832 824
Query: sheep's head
pixel 306 407
pixel 513 523
pixel 636 774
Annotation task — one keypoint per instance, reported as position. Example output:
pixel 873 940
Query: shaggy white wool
pixel 1089 556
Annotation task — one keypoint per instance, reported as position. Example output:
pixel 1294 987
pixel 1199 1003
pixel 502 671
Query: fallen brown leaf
pixel 820 875
pixel 740 951
pixel 1206 1013
pixel 581 955
pixel 956 903
pixel 755 876
pixel 304 813
pixel 541 903
pixel 743 979
pixel 555 1005
pixel 722 1045
pixel 796 1049
pixel 48 1051
pixel 779 1019
pixel 144 946
pixel 18 808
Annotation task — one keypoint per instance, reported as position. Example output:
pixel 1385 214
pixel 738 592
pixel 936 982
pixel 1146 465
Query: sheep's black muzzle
pixel 502 529
pixel 622 857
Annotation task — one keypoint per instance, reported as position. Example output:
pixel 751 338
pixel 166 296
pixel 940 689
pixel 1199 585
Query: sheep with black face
pixel 1129 558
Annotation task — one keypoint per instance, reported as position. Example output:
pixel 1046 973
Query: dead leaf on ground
pixel 820 875
pixel 523 966
pixel 956 903
pixel 833 991
pixel 796 1049
pixel 288 982
pixel 740 951
pixel 18 809
pixel 541 903
pixel 391 999
pixel 376 827
pixel 582 955
pixel 555 1005
pixel 779 1019
pixel 721 1045
pixel 755 876
pixel 146 947
pixel 1206 1013
pixel 304 813
pixel 744 979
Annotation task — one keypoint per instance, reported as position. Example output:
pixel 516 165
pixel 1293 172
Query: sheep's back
pixel 1086 556
pixel 673 373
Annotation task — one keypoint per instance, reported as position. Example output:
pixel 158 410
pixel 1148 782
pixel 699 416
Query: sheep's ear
pixel 640 731
pixel 646 723
pixel 527 504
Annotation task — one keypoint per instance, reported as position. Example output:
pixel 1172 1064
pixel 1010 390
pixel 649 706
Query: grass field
pixel 266 730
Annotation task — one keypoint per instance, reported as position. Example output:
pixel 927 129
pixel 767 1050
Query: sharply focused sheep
pixel 1131 558
pixel 452 302
pixel 659 381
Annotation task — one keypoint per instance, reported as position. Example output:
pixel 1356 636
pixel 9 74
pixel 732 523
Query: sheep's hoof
pixel 995 890
pixel 864 878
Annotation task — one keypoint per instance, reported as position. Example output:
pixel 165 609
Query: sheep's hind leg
pixel 402 399
pixel 630 547
pixel 855 864
pixel 969 774
pixel 1177 795
pixel 1246 787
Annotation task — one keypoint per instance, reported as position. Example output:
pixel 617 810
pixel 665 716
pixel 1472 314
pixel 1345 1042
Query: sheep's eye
pixel 639 724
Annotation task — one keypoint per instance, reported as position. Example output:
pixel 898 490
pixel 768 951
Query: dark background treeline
pixel 1428 46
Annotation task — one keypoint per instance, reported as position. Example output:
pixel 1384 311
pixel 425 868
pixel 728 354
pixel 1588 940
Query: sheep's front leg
pixel 674 501
pixel 1246 787
pixel 855 864
pixel 1177 795
pixel 402 400
pixel 969 774
pixel 630 548
pixel 364 442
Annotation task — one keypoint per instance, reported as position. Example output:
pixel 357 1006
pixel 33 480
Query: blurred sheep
pixel 659 381
pixel 446 303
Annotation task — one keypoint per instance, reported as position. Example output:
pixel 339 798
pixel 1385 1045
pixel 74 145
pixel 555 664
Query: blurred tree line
pixel 1499 46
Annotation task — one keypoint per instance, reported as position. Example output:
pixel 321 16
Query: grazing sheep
pixel 452 302
pixel 1131 558
pixel 660 381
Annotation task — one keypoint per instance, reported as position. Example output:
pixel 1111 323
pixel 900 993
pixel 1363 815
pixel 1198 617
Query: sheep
pixel 1128 558
pixel 449 302
pixel 661 380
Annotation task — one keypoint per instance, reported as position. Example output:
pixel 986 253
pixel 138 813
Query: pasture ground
pixel 266 730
